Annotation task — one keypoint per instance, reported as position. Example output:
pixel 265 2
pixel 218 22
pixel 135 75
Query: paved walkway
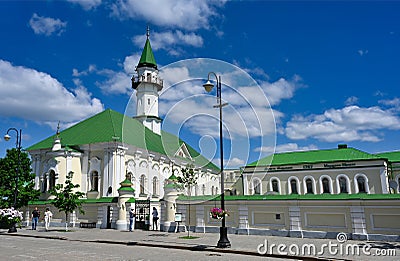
pixel 290 248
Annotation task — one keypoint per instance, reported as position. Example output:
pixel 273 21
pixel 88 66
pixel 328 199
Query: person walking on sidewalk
pixel 132 216
pixel 47 218
pixel 155 218
pixel 35 218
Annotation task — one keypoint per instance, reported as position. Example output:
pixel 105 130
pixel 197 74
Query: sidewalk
pixel 240 244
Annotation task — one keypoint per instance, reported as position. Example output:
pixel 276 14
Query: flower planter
pixel 218 213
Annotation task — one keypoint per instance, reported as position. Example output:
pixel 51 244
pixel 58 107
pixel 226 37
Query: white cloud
pixel 86 4
pixel 288 147
pixel 32 95
pixel 348 124
pixel 116 82
pixel 395 103
pixel 47 25
pixel 279 90
pixel 170 41
pixel 185 14
pixel 362 52
pixel 351 101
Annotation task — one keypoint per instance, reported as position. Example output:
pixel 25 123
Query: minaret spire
pixel 147 84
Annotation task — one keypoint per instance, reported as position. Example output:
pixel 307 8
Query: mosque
pixel 121 161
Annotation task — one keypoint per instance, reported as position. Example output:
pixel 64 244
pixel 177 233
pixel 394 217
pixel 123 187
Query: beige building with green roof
pixel 335 171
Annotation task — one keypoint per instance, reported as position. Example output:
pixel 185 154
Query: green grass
pixel 188 237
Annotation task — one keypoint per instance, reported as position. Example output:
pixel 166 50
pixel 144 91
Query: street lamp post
pixel 223 230
pixel 7 137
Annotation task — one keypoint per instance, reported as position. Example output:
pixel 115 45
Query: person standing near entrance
pixel 132 216
pixel 47 218
pixel 155 218
pixel 35 218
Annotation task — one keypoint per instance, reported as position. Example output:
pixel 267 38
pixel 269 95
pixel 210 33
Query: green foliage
pixel 66 198
pixel 26 179
pixel 188 179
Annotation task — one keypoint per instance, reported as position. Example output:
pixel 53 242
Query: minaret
pixel 57 140
pixel 147 85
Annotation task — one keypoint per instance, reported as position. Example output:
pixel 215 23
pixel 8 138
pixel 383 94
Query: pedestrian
pixel 132 216
pixel 35 218
pixel 155 218
pixel 47 218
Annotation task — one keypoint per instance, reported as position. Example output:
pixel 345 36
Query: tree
pixel 186 181
pixel 8 179
pixel 67 199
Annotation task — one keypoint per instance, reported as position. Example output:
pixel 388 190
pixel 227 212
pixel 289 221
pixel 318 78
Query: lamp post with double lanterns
pixel 7 137
pixel 223 230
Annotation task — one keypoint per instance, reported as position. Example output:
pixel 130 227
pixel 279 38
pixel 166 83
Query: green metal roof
pixel 112 126
pixel 147 59
pixel 393 156
pixel 314 156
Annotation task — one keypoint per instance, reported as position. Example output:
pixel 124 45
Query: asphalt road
pixel 25 248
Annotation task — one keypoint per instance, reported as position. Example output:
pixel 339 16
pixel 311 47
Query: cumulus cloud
pixel 395 103
pixel 86 4
pixel 171 41
pixel 351 123
pixel 185 14
pixel 288 147
pixel 36 96
pixel 47 25
pixel 115 82
pixel 351 101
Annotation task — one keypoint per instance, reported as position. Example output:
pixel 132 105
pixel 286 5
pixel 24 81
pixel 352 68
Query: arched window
pixel 155 186
pixel 94 180
pixel 203 189
pixel 212 190
pixel 309 186
pixel 52 179
pixel 293 186
pixel 129 176
pixel 343 185
pixel 326 185
pixel 44 183
pixel 361 183
pixel 216 190
pixel 275 186
pixel 142 184
pixel 257 186
pixel 196 190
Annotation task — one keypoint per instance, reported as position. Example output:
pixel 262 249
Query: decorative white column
pixel 125 193
pixel 384 180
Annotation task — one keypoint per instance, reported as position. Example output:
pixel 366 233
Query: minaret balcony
pixel 147 79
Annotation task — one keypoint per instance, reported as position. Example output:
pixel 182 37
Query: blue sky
pixel 329 69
